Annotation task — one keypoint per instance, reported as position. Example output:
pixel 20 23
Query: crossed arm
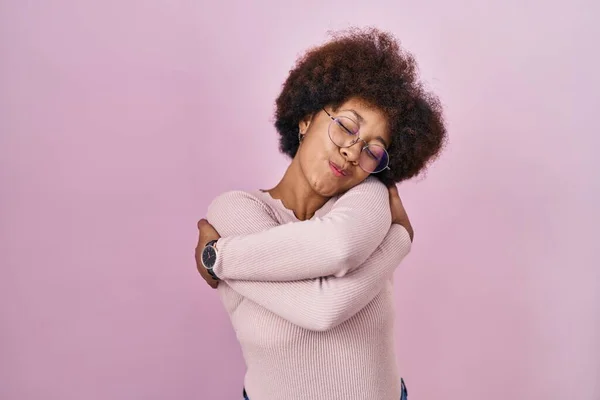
pixel 297 270
pixel 255 247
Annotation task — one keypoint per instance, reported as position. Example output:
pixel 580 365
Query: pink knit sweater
pixel 311 302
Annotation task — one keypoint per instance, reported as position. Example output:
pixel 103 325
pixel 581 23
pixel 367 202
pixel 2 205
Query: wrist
pixel 211 272
pixel 210 257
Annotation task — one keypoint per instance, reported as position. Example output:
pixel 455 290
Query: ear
pixel 305 123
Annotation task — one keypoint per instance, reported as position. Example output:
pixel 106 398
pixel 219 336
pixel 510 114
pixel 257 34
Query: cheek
pixel 330 148
pixel 315 151
pixel 308 158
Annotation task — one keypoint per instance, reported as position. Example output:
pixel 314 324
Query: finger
pixel 211 282
pixel 394 192
pixel 200 239
pixel 201 226
pixel 202 222
pixel 207 278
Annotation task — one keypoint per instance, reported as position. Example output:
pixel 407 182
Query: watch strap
pixel 210 270
pixel 212 273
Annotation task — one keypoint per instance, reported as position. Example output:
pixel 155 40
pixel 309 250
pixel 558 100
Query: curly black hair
pixel 370 65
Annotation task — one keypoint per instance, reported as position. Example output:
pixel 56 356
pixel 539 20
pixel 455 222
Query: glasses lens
pixel 373 158
pixel 343 131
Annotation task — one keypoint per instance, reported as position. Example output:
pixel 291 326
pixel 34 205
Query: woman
pixel 305 269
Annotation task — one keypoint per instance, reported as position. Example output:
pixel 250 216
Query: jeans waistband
pixel 403 392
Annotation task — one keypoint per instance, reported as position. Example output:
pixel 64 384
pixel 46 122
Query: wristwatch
pixel 209 258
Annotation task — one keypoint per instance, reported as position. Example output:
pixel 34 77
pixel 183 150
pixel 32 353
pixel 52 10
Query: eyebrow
pixel 357 115
pixel 382 141
pixel 361 119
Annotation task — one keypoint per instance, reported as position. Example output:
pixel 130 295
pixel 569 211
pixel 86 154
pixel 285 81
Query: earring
pixel 300 136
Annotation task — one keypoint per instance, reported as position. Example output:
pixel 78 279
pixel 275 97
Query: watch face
pixel 209 257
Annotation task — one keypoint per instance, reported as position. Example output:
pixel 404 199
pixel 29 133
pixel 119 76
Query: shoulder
pixel 367 203
pixel 240 213
pixel 239 201
pixel 369 190
pixel 372 183
pixel 238 198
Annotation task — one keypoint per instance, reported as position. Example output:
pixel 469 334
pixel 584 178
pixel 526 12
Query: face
pixel 328 168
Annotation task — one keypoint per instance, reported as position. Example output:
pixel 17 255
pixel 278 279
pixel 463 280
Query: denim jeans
pixel 403 392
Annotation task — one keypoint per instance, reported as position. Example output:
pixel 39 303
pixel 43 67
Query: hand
pixel 399 215
pixel 206 234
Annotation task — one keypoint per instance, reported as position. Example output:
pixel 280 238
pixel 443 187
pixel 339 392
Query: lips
pixel 337 170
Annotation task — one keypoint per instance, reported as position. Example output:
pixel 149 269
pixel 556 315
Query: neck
pixel 296 194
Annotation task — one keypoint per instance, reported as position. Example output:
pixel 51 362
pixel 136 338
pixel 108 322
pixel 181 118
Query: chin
pixel 327 187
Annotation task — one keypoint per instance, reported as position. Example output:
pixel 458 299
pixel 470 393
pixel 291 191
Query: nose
pixel 352 153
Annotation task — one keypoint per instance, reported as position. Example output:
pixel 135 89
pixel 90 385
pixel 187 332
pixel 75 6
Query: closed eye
pixel 348 131
pixel 370 154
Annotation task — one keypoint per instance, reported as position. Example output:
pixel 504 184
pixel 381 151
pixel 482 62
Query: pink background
pixel 121 120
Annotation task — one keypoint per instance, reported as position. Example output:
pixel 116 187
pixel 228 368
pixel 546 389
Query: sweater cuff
pixel 218 267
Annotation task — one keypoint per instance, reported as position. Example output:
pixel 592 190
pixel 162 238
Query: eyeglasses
pixel 343 132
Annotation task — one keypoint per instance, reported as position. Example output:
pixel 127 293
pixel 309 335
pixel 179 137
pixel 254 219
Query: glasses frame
pixel 335 120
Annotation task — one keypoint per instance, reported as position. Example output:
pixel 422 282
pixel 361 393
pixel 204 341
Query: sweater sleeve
pixel 323 303
pixel 254 247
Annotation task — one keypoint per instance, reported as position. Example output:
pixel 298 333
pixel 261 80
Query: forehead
pixel 372 120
